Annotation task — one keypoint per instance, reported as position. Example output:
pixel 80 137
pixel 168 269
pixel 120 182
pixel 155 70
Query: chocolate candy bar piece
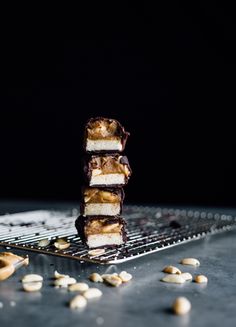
pixel 104 135
pixel 101 231
pixel 110 170
pixel 101 201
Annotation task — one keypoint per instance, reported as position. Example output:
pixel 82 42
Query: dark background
pixel 166 72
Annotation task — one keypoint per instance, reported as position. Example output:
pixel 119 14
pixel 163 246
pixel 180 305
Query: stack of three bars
pixel 106 172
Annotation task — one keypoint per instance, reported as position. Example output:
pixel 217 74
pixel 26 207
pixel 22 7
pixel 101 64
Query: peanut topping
pixel 98 226
pixel 108 165
pixel 102 129
pixel 96 195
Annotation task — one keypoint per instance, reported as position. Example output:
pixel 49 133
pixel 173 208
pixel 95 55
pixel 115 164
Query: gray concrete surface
pixel 145 301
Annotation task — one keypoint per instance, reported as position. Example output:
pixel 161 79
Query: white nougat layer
pixel 102 209
pixel 103 145
pixel 99 240
pixel 107 179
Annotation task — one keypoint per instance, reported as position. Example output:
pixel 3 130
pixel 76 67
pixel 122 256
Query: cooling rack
pixel 150 229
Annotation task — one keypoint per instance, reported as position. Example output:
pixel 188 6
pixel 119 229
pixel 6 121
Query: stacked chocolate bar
pixel 106 172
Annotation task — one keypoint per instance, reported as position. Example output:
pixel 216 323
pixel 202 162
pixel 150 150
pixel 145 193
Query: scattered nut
pixel 30 278
pixel 125 277
pixel 177 279
pixel 96 278
pixel 13 259
pixel 32 282
pixel 113 280
pixel 171 270
pixel 32 286
pixel 78 287
pixel 181 306
pixel 105 275
pixel 61 244
pixel 43 243
pixel 190 261
pixel 187 276
pixel 64 281
pixel 200 279
pixel 96 252
pixel 58 275
pixel 92 293
pixel 78 302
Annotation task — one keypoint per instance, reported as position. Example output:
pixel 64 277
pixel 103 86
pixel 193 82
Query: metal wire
pixel 150 229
